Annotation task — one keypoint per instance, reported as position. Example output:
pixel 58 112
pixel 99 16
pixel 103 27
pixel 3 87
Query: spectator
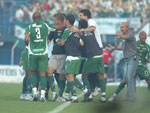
pixel 19 15
pixel 47 6
pixel 107 55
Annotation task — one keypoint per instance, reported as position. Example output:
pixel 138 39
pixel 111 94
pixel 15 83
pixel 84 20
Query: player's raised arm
pixel 52 27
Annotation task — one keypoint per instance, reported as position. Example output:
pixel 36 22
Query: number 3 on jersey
pixel 38 33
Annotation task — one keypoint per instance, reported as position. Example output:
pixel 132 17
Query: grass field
pixel 10 103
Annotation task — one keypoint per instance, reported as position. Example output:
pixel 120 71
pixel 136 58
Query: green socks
pixel 43 82
pixel 61 87
pixel 51 83
pixel 103 85
pixel 28 85
pixel 72 87
pixel 120 87
pixel 86 82
pixel 24 88
pixel 78 84
pixel 67 88
pixel 34 82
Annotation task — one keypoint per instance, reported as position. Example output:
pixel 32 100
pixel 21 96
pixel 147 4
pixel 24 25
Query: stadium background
pixel 107 13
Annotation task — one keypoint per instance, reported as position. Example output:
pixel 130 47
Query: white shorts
pixel 58 63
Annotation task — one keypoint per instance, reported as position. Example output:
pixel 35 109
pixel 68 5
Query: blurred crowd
pixel 99 8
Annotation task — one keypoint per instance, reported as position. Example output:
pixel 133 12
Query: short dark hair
pixel 60 16
pixel 70 18
pixel 83 24
pixel 64 15
pixel 86 12
pixel 36 16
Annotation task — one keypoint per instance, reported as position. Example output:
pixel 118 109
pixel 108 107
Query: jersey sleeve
pixel 50 36
pixel 51 27
pixel 27 30
pixel 66 34
pixel 92 23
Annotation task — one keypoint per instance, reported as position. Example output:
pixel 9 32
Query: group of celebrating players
pixel 75 51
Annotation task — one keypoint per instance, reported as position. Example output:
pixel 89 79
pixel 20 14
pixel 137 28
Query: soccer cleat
pixel 102 99
pixel 97 89
pixel 60 99
pixel 42 99
pixel 29 97
pixel 35 97
pixel 95 93
pixel 54 97
pixel 23 96
pixel 112 98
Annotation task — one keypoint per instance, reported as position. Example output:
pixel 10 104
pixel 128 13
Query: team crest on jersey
pixel 87 34
pixel 76 35
pixel 34 25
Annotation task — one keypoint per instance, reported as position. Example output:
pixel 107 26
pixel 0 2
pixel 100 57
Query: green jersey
pixel 143 52
pixel 38 42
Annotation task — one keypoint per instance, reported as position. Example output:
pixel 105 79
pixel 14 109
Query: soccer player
pixel 57 60
pixel 141 71
pixel 36 36
pixel 26 89
pixel 95 63
pixel 91 78
pixel 72 42
pixel 130 53
pixel 143 51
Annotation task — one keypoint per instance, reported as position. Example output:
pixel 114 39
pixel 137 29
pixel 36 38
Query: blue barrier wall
pixel 5 53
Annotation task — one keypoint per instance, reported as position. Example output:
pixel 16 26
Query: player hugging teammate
pixel 75 51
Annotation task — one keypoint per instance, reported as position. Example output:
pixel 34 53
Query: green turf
pixel 10 103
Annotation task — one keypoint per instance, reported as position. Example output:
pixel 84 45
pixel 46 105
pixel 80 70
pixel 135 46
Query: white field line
pixel 63 106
